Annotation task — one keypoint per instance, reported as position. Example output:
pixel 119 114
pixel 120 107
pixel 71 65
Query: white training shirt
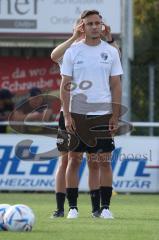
pixel 90 68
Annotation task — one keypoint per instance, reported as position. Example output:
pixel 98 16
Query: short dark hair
pixel 87 13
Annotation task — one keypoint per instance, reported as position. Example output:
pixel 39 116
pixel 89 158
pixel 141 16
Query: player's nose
pixel 94 26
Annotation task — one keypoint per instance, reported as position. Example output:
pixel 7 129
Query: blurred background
pixel 30 30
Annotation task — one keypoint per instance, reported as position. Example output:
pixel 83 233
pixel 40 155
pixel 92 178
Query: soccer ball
pixel 19 217
pixel 3 209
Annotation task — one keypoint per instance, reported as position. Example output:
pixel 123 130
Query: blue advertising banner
pixel 135 164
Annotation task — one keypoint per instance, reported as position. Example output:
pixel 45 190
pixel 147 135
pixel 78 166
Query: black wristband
pixel 111 41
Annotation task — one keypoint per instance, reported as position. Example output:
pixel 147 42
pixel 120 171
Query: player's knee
pixel 92 165
pixel 63 165
pixel 74 162
pixel 106 165
pixel 63 161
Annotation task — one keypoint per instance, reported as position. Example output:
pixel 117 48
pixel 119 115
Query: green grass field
pixel 136 218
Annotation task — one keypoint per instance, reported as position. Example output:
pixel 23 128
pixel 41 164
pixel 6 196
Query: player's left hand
pixel 106 32
pixel 113 125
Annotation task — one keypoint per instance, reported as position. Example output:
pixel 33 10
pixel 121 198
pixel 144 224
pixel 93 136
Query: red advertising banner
pixel 19 75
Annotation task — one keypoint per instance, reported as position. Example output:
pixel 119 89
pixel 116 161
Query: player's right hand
pixel 69 123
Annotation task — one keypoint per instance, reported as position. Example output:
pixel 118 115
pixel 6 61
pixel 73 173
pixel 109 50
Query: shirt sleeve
pixel 116 68
pixel 67 65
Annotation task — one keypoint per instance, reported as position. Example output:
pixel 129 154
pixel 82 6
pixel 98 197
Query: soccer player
pixel 60 187
pixel 97 63
pixel 56 56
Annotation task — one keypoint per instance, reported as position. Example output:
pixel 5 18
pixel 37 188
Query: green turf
pixel 136 218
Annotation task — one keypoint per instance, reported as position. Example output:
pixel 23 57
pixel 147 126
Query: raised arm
pixel 59 51
pixel 107 36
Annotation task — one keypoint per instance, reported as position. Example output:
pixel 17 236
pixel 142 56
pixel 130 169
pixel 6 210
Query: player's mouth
pixel 95 32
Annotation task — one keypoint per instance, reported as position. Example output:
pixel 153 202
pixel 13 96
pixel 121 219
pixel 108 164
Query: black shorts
pixel 91 136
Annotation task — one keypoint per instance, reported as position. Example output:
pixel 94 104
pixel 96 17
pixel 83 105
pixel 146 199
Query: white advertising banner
pixel 54 16
pixel 135 164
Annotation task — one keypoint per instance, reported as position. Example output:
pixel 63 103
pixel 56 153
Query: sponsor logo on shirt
pixel 79 62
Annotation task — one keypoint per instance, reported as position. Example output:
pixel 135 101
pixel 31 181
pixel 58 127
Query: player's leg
pixel 94 183
pixel 106 184
pixel 60 185
pixel 104 148
pixel 72 180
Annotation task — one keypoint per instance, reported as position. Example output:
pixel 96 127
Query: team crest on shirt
pixel 104 56
pixel 79 62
